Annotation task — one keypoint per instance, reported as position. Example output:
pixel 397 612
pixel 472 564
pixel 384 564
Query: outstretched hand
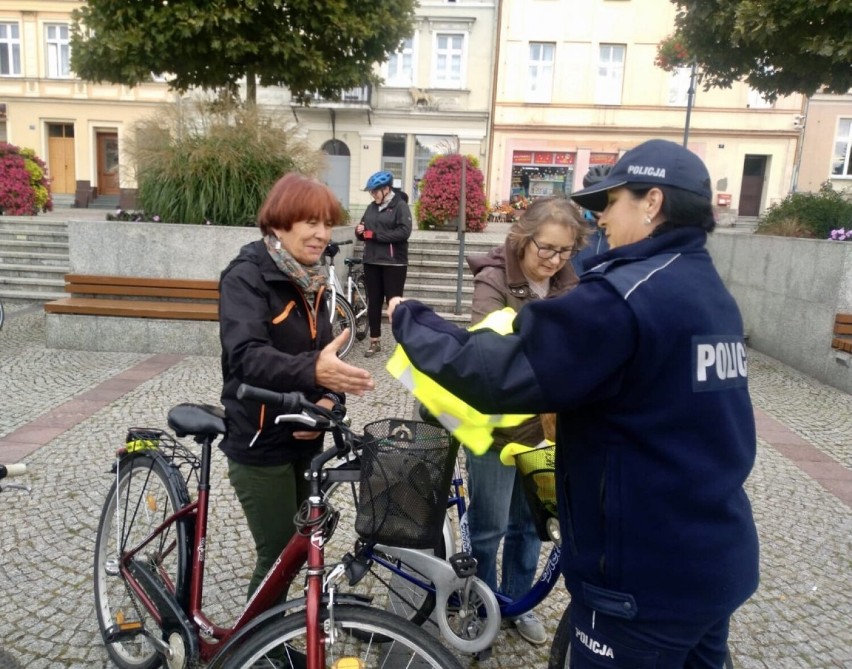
pixel 392 304
pixel 338 376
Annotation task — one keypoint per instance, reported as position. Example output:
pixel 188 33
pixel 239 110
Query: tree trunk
pixel 251 88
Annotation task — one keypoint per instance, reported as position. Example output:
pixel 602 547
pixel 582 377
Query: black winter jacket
pixel 271 339
pixel 390 229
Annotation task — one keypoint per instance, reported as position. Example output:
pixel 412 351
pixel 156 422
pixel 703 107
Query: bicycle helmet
pixel 596 174
pixel 379 180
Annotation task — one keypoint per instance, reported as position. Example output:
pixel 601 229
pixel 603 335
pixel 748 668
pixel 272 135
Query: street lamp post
pixel 690 98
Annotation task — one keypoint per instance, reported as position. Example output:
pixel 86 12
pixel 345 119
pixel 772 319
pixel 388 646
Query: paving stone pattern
pixel 65 412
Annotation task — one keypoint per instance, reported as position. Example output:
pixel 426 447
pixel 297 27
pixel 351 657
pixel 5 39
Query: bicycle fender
pixel 277 611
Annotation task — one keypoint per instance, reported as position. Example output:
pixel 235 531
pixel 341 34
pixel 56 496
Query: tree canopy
pixel 778 47
pixel 305 45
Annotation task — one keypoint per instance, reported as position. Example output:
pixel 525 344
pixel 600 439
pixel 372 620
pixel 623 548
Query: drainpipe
pixel 494 68
pixel 800 140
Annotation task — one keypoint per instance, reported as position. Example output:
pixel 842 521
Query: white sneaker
pixel 531 629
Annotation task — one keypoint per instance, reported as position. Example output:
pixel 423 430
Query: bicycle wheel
pixel 343 318
pixel 359 306
pixel 357 630
pixel 146 492
pixel 560 649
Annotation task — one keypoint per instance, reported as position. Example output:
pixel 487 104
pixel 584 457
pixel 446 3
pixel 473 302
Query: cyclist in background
pixel 384 228
pixel 597 243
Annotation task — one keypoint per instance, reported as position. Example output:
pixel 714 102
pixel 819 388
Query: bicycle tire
pixel 282 641
pixel 2 315
pixel 560 648
pixel 359 307
pixel 146 491
pixel 343 318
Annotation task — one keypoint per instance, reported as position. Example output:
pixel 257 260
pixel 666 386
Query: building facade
pixel 76 127
pixel 826 153
pixel 576 85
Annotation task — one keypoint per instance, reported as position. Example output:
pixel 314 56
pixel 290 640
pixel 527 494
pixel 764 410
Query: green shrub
pixel 214 164
pixel 808 214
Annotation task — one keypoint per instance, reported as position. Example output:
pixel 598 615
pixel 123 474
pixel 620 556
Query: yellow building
pixel 576 85
pixel 76 127
pixel 826 153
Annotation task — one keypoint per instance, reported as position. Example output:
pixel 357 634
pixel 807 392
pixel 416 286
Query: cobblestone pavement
pixel 65 412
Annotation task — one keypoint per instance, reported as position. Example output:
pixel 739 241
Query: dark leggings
pixel 383 282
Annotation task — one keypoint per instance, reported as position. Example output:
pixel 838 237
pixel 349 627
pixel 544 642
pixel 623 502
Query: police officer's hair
pixel 543 210
pixel 680 209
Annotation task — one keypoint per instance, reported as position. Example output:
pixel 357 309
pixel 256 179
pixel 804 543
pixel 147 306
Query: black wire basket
pixel 406 469
pixel 537 473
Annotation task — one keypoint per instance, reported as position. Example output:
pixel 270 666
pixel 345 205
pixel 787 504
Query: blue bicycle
pixel 441 584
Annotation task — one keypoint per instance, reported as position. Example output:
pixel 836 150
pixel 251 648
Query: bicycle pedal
pixel 123 632
pixel 356 567
pixel 464 564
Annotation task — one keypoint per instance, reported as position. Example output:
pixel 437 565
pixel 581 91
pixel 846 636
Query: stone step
pixel 16 246
pixel 39 284
pixel 8 294
pixel 34 271
pixel 447 278
pixel 24 257
pixel 38 237
pixel 31 223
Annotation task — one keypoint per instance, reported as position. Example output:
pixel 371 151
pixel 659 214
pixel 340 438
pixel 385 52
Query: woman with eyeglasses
pixel 532 264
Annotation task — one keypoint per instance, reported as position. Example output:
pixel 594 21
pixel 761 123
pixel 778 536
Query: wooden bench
pixel 842 333
pixel 138 297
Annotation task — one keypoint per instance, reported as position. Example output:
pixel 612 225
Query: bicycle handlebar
pixel 18 469
pixel 286 402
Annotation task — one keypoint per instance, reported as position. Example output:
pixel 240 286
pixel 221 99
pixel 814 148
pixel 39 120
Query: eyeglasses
pixel 547 253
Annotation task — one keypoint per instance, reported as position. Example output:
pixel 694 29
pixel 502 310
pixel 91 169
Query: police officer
pixel 596 243
pixel 645 364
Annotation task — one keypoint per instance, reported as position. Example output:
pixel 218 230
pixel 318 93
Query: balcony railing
pixel 357 97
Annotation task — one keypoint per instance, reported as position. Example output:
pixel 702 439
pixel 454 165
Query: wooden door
pixel 751 189
pixel 107 163
pixel 60 158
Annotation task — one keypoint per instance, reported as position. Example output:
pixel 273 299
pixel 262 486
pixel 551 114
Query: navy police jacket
pixel 645 364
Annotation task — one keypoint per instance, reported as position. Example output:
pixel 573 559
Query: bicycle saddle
pixel 199 420
pixel 352 261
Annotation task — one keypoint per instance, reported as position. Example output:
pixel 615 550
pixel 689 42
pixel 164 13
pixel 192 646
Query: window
pixel 757 101
pixel 449 61
pixel 610 74
pixel 400 65
pixel 540 80
pixel 841 163
pixel 58 50
pixel 10 50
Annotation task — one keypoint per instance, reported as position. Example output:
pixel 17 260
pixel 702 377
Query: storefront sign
pixel 603 158
pixel 522 157
pixel 564 158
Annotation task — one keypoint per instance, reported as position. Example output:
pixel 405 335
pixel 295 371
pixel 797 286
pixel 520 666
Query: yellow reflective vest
pixel 471 427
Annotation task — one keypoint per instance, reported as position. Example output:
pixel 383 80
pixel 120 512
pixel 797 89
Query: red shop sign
pixel 603 159
pixel 543 158
pixel 564 158
pixel 522 157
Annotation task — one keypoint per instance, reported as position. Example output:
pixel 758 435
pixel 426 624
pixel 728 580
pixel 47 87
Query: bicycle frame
pixel 306 546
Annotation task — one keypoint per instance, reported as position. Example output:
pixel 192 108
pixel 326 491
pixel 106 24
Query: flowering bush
pixel 817 213
pixel 841 235
pixel 440 192
pixel 24 186
pixel 671 54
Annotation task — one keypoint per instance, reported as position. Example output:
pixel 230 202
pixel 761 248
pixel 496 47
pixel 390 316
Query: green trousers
pixel 270 497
